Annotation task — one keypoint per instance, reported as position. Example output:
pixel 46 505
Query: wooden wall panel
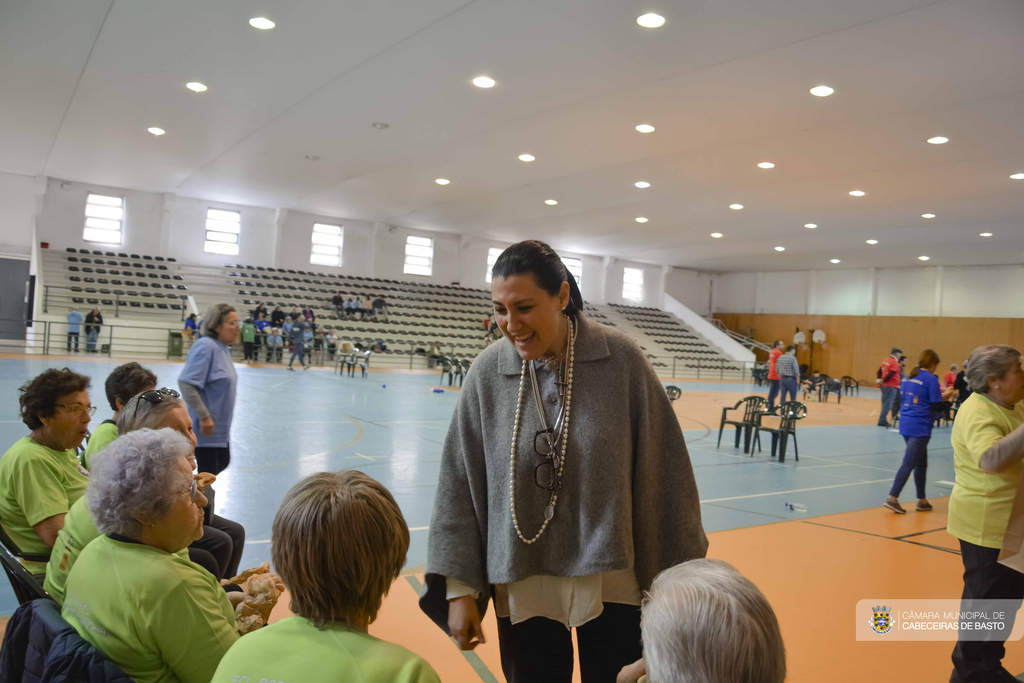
pixel 857 345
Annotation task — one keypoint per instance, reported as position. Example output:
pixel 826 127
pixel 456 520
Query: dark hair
pixel 38 397
pixel 776 343
pixel 895 350
pixel 192 316
pixel 928 359
pixel 126 381
pixel 790 348
pixel 541 261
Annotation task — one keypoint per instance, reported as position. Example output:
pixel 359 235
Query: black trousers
pixel 213 459
pixel 984 579
pixel 539 650
pixel 224 540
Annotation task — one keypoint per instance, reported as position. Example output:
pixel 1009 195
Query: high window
pixel 222 230
pixel 327 243
pixel 575 266
pixel 103 218
pixel 492 256
pixel 419 256
pixel 633 284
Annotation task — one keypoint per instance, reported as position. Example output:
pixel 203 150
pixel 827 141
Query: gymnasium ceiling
pixel 724 82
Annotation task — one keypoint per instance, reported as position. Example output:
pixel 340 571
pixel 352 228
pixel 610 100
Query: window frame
pixel 223 245
pixel 412 267
pixel 578 277
pixel 340 246
pixel 489 277
pixel 631 286
pixel 120 221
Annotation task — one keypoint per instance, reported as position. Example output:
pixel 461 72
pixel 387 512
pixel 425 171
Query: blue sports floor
pixel 392 426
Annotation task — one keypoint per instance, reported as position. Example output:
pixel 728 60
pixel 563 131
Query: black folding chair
pixel 789 413
pixel 673 392
pixel 850 385
pixel 752 406
pixel 26 585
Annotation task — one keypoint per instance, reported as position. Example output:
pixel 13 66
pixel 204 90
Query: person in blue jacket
pixel 921 400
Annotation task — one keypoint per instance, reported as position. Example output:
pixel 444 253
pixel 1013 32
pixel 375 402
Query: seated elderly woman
pixel 338 542
pixel 124 382
pixel 988 446
pixel 703 622
pixel 133 593
pixel 40 477
pixel 219 551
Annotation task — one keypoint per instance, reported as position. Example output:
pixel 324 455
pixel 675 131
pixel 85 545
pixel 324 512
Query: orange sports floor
pixel 812 571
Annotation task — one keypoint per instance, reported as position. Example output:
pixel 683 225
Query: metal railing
pixel 747 342
pixel 686 367
pixel 64 297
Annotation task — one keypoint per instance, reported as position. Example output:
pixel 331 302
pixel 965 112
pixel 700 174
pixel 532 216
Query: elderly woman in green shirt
pixel 124 382
pixel 988 446
pixel 133 593
pixel 40 477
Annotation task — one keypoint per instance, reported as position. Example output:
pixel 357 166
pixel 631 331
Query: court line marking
pixel 472 657
pixel 284 382
pixel 782 493
pixel 890 538
pixel 308 457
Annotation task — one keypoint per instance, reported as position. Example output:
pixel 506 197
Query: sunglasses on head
pixel 154 396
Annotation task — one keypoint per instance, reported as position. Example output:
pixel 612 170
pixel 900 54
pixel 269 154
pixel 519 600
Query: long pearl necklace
pixel 549 511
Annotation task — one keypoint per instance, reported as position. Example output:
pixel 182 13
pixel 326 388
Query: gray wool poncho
pixel 628 496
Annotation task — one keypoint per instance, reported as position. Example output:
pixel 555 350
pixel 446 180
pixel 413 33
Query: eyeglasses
pixel 193 490
pixel 154 396
pixel 545 475
pixel 78 407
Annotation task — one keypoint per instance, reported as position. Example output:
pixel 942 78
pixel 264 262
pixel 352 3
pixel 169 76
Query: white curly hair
pixel 136 477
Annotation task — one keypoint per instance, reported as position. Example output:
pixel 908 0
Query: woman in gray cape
pixel 565 485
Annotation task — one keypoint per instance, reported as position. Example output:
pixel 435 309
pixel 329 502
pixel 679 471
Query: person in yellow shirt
pixel 338 542
pixel 40 476
pixel 988 446
pixel 133 593
pixel 124 382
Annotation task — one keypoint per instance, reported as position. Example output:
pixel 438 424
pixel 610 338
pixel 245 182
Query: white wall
pixel 17 214
pixel 947 291
pixel 691 288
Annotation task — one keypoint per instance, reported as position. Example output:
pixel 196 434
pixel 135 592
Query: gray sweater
pixel 628 498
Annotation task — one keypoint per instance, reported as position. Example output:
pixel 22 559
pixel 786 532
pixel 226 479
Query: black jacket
pixel 40 647
pixel 93 322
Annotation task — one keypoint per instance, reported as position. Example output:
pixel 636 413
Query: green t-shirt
pixel 248 332
pixel 980 504
pixel 160 617
pixel 36 483
pixel 294 649
pixel 79 531
pixel 103 435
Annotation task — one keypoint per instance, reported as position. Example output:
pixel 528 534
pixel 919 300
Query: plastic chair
pixel 789 413
pixel 850 385
pixel 673 392
pixel 24 583
pixel 752 406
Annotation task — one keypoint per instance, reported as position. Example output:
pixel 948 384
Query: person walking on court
pixel 889 381
pixel 74 327
pixel 298 333
pixel 773 375
pixel 248 337
pixel 208 383
pixel 789 373
pixel 922 400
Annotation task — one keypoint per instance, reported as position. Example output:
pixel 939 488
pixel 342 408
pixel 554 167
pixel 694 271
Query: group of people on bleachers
pixel 368 308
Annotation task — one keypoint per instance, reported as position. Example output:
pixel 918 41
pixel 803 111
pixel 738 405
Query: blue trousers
pixel 788 387
pixel 915 460
pixel 773 391
pixel 888 403
pixel 299 351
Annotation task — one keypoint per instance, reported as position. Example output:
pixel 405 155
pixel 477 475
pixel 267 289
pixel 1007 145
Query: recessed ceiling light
pixel 766 164
pixel 526 157
pixel 835 260
pixel 938 140
pixel 716 235
pixel 442 181
pixel 312 157
pixel 381 126
pixel 550 202
pixel 736 207
pixel 871 241
pixel 645 128
pixel 927 215
pixel 984 234
pixel 821 91
pixel 196 86
pixel 643 184
pixel 812 226
pixel 641 219
pixel 1018 176
pixel 858 193
pixel 923 258
pixel 483 82
pixel 651 20
pixel 156 131
pixel 262 23
pixel 780 249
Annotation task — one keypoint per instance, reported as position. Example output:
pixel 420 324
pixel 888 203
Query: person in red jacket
pixel 950 377
pixel 773 376
pixel 889 381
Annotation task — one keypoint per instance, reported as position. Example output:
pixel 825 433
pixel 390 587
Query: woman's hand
pixel 206 426
pixel 464 622
pixel 236 598
pixel 631 673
